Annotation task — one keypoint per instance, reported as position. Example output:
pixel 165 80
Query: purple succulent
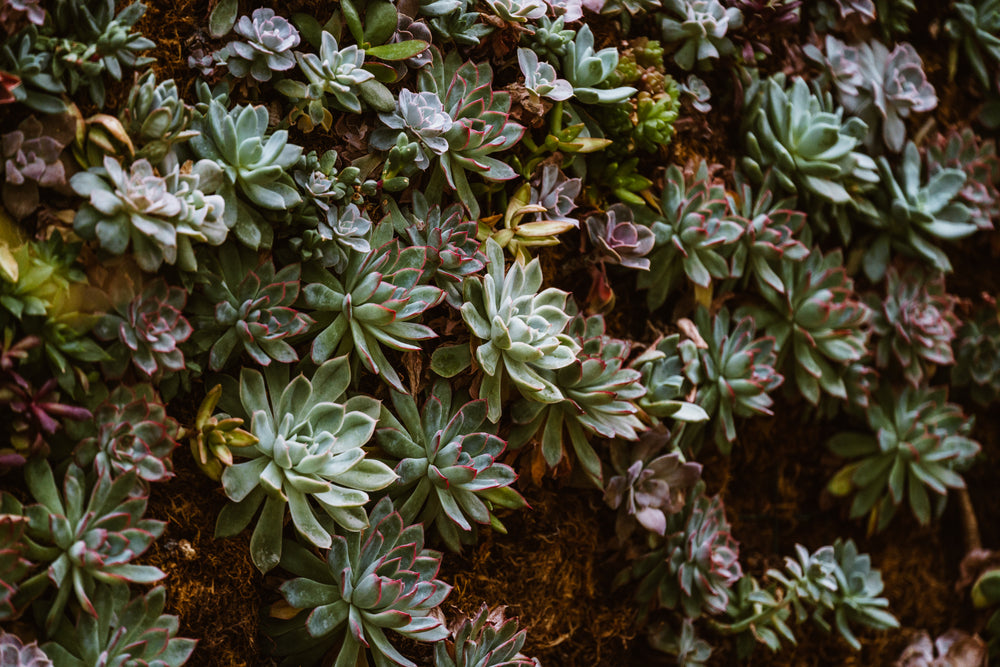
pixel 915 324
pixel 557 194
pixel 649 485
pixel 976 157
pixel 134 434
pixel 31 159
pixel 37 413
pixel 619 239
pixel 147 328
pixel 15 653
pixel 14 14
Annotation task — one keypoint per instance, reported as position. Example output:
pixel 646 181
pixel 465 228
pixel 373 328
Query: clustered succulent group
pixel 384 333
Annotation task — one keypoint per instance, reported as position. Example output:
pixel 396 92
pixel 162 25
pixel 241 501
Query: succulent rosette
pixel 267 49
pixel 700 26
pixel 977 355
pixel 15 653
pixel 619 239
pixel 487 639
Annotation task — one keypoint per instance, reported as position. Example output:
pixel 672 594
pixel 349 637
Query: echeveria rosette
pixel 977 355
pixel 920 443
pixel 733 371
pixel 449 473
pixel 700 26
pixel 159 215
pixel 124 632
pixel 518 330
pixel 89 534
pixel 333 77
pixel 481 123
pixel 308 458
pixel 975 25
pixel 599 393
pixel 371 304
pixel 556 193
pixel 518 11
pixel 134 434
pixel 912 215
pixel 421 116
pixel 146 328
pixel 818 324
pixel 649 485
pixel 619 240
pixel 770 228
pixel 693 236
pixel 245 306
pixel 267 49
pixel 484 640
pixel 914 324
pixel 255 167
pixel 156 118
pixel 662 371
pixel 15 653
pixel 586 69
pixel 31 159
pixel 804 140
pixel 541 78
pixel 379 579
pixel 977 157
pixel 697 564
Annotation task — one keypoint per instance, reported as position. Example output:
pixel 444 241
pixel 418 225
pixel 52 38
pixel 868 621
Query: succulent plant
pixel 423 117
pixel 655 116
pixel 13 564
pixel 920 443
pixel 549 203
pixel 308 458
pixel 817 323
pixel 214 436
pixel 649 485
pixel 518 330
pixel 15 12
pixel 975 26
pixel 541 78
pixel 696 565
pixel 254 166
pixel 147 328
pixel 100 136
pixel 662 372
pixel 267 49
pixel 156 117
pixel 133 434
pixel 915 324
pixel 769 235
pixel 733 371
pixel 977 354
pixel 320 181
pixel 693 234
pixel 245 306
pixel 372 304
pixel 689 649
pixel 452 249
pixel 833 579
pixel 89 534
pixel 804 140
pixel 333 76
pixel 449 475
pixel 518 11
pixel 881 87
pixel 381 578
pixel 484 640
pixel 911 211
pixel 160 215
pixel 618 239
pixel 37 413
pixel 765 21
pixel 15 653
pixel 978 159
pixel 598 392
pixel 452 21
pixel 27 77
pixel 31 159
pixel 952 646
pixel 586 70
pixel 551 38
pixel 700 26
pixel 124 632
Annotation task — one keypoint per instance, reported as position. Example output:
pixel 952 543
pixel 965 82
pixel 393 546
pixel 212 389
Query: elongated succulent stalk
pixel 619 239
pixel 519 329
pixel 134 434
pixel 449 475
pixel 733 371
pixel 267 49
pixel 159 215
pixel 146 328
pixel 696 566
pixel 600 393
pixel 649 485
pixel 381 578
pixel 308 458
pixel 244 306
pixel 156 118
pixel 782 122
pixel 700 26
pixel 977 355
pixel 920 443
pixel 694 236
pixel 915 323
pixel 484 640
pixel 88 534
pixel 373 303
pixel 819 326
pixel 124 632
pixel 911 210
pixel 977 157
